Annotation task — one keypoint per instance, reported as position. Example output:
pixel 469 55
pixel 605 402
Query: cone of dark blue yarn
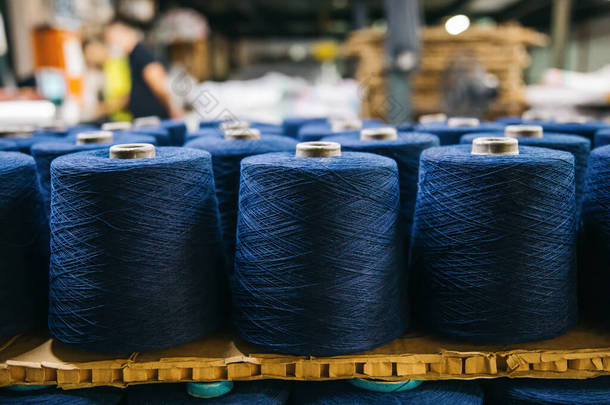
pixel 53 396
pixel 602 138
pixel 529 391
pixel 595 241
pixel 45 152
pixel 587 129
pixel 25 144
pixel 493 248
pixel 267 392
pixel 23 246
pixel 429 393
pixel 578 146
pixel 451 135
pixel 317 262
pixel 292 125
pixel 8 145
pixel 510 120
pixel 62 132
pixel 177 131
pixel 161 135
pixel 227 155
pixel 204 133
pixel 317 131
pixel 136 259
pixel 405 150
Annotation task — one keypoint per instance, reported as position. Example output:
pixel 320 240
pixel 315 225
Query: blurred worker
pixel 149 93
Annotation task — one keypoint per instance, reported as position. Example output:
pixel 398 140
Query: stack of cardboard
pixel 501 49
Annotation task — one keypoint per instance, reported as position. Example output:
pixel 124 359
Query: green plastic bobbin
pixel 209 390
pixel 385 386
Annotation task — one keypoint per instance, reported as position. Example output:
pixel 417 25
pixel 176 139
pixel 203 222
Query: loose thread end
pixel 85 138
pixel 318 149
pixel 378 134
pixel 132 151
pixel 495 146
pixel 523 131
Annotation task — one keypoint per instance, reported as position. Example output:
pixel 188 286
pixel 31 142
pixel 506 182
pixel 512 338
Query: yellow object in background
pixel 117 86
pixel 324 51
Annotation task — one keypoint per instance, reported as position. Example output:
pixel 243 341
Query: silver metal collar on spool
pixel 16 131
pixel 132 151
pixel 84 138
pixel 378 134
pixel 523 131
pixel 235 124
pixel 338 125
pixel 117 126
pixel 495 146
pixel 455 122
pixel 318 149
pixel 151 121
pixel 432 118
pixel 243 134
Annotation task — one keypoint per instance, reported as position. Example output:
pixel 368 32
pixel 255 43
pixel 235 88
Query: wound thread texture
pixel 317 266
pixel 23 246
pixel 493 247
pixel 53 396
pixel 595 246
pixel 45 152
pixel 578 146
pixel 176 130
pixel 8 145
pixel 405 151
pixel 135 250
pixel 226 158
pixel 602 138
pixel 429 393
pixel 268 392
pixel 528 391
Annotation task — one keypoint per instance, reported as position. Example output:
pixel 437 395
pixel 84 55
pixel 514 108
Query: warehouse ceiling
pixel 260 18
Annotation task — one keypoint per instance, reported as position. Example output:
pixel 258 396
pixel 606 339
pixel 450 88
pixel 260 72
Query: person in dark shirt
pixel 149 88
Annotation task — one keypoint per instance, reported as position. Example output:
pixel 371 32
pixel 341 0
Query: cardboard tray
pixel 38 359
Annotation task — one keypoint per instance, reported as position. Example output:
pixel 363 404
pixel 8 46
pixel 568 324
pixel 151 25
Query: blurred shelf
pixel 38 359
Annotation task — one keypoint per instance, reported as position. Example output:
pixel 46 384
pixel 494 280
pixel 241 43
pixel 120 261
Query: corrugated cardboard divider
pixel 38 359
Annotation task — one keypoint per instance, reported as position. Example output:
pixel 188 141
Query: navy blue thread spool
pixel 405 149
pixel 317 233
pixel 292 125
pixel 136 262
pixel 45 152
pixel 529 391
pixel 574 126
pixel 533 135
pixel 318 131
pixel 450 132
pixel 602 138
pixel 204 133
pixel 23 137
pixel 176 129
pixel 493 250
pixel 8 145
pixel 53 396
pixel 227 154
pixel 266 392
pixel 161 135
pixel 23 246
pixel 429 393
pixel 595 246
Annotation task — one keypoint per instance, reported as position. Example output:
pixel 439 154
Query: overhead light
pixel 457 24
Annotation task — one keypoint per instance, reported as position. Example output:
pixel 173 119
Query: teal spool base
pixel 22 388
pixel 385 386
pixel 209 390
